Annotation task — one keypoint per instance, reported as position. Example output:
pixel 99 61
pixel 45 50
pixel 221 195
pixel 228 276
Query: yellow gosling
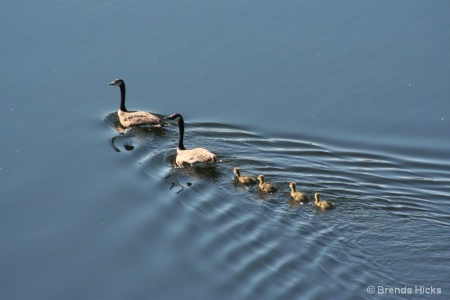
pixel 297 196
pixel 244 179
pixel 322 204
pixel 266 187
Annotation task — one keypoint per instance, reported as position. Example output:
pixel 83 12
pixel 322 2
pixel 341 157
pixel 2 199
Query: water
pixel 350 100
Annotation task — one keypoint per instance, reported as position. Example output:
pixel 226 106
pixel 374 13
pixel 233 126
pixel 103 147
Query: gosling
pixel 297 196
pixel 323 204
pixel 266 187
pixel 246 180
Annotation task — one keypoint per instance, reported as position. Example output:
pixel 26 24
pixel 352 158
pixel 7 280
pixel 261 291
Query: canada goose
pixel 298 196
pixel 190 156
pixel 266 187
pixel 134 118
pixel 244 179
pixel 322 204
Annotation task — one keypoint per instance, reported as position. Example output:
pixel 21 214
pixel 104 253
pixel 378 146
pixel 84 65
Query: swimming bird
pixel 266 187
pixel 297 196
pixel 134 118
pixel 322 204
pixel 190 156
pixel 244 179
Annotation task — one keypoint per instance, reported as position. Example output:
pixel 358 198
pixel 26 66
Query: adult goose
pixel 244 179
pixel 265 186
pixel 190 156
pixel 134 118
pixel 322 203
pixel 297 196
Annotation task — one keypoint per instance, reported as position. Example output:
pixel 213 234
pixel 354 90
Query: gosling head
pixel 116 82
pixel 173 117
pixel 292 186
pixel 261 178
pixel 237 171
pixel 317 197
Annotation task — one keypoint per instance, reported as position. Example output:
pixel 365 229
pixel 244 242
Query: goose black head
pixel 116 82
pixel 173 117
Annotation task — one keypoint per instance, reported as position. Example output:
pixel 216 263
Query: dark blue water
pixel 347 99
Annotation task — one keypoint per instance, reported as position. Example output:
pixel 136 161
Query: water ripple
pixel 262 243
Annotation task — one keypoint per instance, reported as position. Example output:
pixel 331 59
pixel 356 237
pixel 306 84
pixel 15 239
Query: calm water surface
pixel 350 100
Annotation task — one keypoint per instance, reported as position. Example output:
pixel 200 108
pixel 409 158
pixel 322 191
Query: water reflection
pixel 211 173
pixel 343 174
pixel 128 136
pixel 296 204
pixel 128 145
pixel 175 184
pixel 274 236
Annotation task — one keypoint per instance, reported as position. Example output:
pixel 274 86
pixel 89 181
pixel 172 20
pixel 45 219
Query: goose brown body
pixel 297 196
pixel 322 203
pixel 190 156
pixel 194 156
pixel 265 186
pixel 247 180
pixel 134 118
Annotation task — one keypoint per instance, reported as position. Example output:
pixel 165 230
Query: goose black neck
pixel 181 127
pixel 122 97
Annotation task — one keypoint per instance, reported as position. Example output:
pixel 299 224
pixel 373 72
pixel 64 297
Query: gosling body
pixel 322 203
pixel 190 156
pixel 297 196
pixel 246 180
pixel 134 118
pixel 265 186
